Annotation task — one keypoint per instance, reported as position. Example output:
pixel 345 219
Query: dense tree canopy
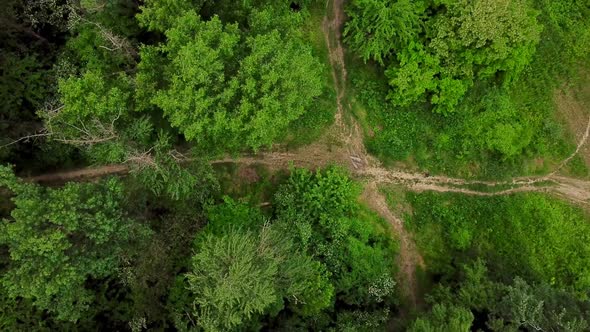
pixel 239 276
pixel 516 261
pixel 60 238
pixel 471 89
pixel 506 306
pixel 315 265
pixel 322 211
pixel 440 56
pixel 379 29
pixel 228 90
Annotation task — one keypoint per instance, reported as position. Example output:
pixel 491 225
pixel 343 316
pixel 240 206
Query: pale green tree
pixel 226 91
pixel 238 276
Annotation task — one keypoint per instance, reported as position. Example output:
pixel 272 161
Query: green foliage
pixel 197 52
pixel 151 266
pixel 65 247
pixel 279 83
pixel 492 84
pixel 164 176
pixel 415 76
pixel 540 308
pixel 535 247
pixel 233 214
pixel 92 107
pixel 25 85
pixel 161 15
pixel 352 321
pixel 378 29
pixel 442 318
pixel 318 196
pixel 25 81
pixel 529 235
pixel 26 77
pixel 509 305
pixel 219 98
pixel 499 127
pixel 462 41
pixel 322 256
pixel 487 36
pixel 59 238
pixel 240 275
pixel 322 212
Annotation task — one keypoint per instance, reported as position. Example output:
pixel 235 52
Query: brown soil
pixel 409 257
pixel 83 174
pixel 248 174
pixel 576 118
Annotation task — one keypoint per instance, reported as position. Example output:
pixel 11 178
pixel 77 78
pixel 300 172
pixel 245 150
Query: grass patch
pixel 314 122
pixel 531 235
pixel 577 167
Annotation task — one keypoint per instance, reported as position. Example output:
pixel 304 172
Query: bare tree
pixel 81 132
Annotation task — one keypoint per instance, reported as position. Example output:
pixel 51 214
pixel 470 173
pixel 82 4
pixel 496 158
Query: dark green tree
pixel 377 29
pixel 540 307
pixel 322 211
pixel 59 239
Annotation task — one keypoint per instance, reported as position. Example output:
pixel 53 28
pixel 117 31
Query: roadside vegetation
pixel 502 263
pixel 468 87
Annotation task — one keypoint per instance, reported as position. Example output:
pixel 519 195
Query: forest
pixel 295 165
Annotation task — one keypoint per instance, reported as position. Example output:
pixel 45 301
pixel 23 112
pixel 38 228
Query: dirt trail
pixel 342 144
pixel 85 174
pixel 349 133
pixel 409 257
pixel 580 145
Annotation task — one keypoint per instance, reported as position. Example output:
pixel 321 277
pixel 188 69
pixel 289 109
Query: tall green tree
pixel 59 239
pixel 238 276
pixel 226 90
pixel 438 57
pixel 321 209
pixel 378 29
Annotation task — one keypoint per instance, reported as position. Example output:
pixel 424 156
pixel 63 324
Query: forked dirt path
pixel 409 258
pixel 349 151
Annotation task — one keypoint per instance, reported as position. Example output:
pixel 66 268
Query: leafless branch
pixel 85 132
pixel 177 156
pixel 118 43
pixel 107 48
pixel 142 159
pixel 91 141
pixel 25 138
